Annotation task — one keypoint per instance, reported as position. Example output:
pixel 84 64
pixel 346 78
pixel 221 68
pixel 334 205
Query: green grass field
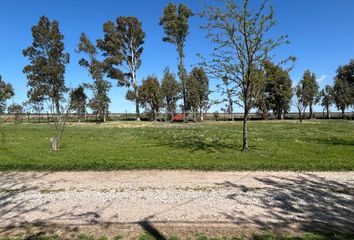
pixel 274 145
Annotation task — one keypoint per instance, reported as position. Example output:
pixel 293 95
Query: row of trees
pixel 241 59
pixel 341 94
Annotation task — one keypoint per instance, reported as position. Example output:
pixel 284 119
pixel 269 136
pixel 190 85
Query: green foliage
pixel 276 145
pixel 46 70
pixel 122 49
pixel 78 100
pixel 6 92
pixel 342 94
pixel 276 92
pixel 327 98
pixel 241 46
pixel 346 74
pixel 99 103
pixel 15 109
pixel 151 96
pixel 171 90
pixel 310 90
pixel 198 91
pixel 175 25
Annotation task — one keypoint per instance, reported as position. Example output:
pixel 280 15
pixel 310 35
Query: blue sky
pixel 320 31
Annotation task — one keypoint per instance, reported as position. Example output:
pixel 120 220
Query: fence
pixel 47 117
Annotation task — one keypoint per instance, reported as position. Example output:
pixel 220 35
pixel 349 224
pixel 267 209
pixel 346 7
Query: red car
pixel 178 118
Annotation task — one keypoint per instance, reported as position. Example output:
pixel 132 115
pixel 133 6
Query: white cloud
pixel 321 78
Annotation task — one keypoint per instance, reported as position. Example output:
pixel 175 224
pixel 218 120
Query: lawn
pixel 274 145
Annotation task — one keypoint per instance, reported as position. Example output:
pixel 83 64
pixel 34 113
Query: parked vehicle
pixel 178 118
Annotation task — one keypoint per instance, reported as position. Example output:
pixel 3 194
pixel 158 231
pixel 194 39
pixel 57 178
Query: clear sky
pixel 321 34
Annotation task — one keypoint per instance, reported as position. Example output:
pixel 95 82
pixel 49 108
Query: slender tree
pixel 78 101
pixel 171 90
pixel 6 92
pixel 122 48
pixel 175 24
pixel 327 98
pixel 227 90
pixel 99 102
pixel 342 94
pixel 46 70
pixel 310 89
pixel 300 103
pixel 151 96
pixel 241 45
pixel 202 90
pixel 192 96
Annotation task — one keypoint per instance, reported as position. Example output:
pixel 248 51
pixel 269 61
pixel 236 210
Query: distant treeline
pixel 163 117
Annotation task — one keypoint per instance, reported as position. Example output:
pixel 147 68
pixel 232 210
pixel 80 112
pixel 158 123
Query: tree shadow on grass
pixel 332 141
pixel 195 143
pixel 307 203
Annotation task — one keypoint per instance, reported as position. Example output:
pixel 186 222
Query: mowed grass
pixel 274 145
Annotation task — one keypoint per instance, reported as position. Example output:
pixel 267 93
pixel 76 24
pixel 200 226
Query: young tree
pixel 327 98
pixel 201 91
pixel 151 96
pixel 301 103
pixel 122 48
pixel 342 94
pixel 16 110
pixel 175 24
pixel 228 91
pixel 241 46
pixel 46 70
pixel 78 101
pixel 192 95
pixel 310 89
pixel 99 102
pixel 171 90
pixel 6 92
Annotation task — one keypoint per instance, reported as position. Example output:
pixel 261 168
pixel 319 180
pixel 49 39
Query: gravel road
pixel 298 201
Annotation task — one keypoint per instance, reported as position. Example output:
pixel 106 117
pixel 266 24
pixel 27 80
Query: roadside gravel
pixel 298 201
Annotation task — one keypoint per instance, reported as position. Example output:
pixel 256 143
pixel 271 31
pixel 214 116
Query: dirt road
pixel 161 202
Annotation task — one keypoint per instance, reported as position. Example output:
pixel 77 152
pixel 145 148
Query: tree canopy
pixel 6 92
pixel 171 90
pixel 176 28
pixel 45 72
pixel 99 102
pixel 122 47
pixel 151 95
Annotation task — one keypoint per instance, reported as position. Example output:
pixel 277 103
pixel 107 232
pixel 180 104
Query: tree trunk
pixel 181 73
pixel 55 141
pixel 244 132
pixel 328 116
pixel 155 115
pixel 201 115
pixel 137 109
pixel 280 115
pixel 300 115
pixel 343 113
pixel 311 113
pixel 104 116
